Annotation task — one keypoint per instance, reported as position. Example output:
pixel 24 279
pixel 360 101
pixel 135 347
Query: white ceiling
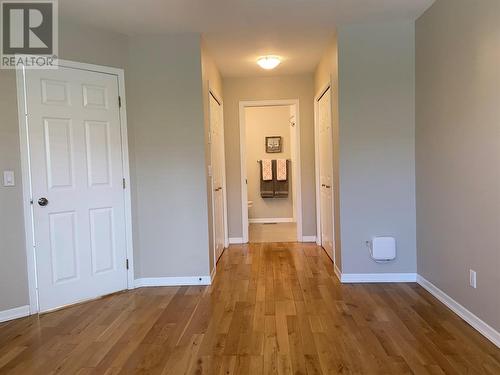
pixel 238 31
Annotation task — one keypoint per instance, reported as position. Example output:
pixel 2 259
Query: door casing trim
pixel 26 173
pixel 218 98
pixel 317 97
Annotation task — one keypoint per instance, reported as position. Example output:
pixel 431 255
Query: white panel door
pixel 326 171
pixel 76 171
pixel 218 165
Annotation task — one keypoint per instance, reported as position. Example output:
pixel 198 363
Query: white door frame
pixel 296 170
pixel 26 173
pixel 218 98
pixel 319 94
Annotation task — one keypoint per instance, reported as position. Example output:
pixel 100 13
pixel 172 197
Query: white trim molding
pixel 337 271
pixel 235 240
pixel 213 273
pixel 271 220
pixel 172 281
pixel 327 86
pixel 15 313
pixel 378 278
pixel 218 98
pixel 308 238
pixel 479 325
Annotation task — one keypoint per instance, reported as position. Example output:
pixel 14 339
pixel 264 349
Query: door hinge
pixel 124 184
pixel 126 263
pixel 119 101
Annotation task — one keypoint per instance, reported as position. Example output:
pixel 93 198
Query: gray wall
pixel 262 122
pixel 93 46
pixel 13 276
pixel 377 123
pixel 76 43
pixel 264 88
pixel 165 117
pixel 458 151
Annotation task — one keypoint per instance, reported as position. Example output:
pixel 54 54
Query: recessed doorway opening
pixel 270 165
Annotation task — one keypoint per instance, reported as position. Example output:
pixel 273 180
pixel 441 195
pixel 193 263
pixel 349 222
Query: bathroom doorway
pixel 270 149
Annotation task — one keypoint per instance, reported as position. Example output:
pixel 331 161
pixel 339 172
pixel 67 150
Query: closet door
pixel 218 165
pixel 326 171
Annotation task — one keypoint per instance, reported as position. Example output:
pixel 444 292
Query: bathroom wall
pixel 262 122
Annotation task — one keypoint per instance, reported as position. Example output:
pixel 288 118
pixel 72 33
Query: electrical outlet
pixel 472 278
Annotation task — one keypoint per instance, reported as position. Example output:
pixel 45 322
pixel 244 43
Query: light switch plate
pixel 8 178
pixel 472 278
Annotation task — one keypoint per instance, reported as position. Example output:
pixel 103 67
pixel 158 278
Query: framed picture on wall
pixel 273 144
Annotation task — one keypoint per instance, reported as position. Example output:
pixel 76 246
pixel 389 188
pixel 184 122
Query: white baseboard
pixel 308 238
pixel 172 281
pixel 270 220
pixel 235 240
pixel 483 328
pixel 378 277
pixel 15 313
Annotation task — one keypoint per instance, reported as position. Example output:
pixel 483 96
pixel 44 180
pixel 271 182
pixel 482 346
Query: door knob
pixel 43 202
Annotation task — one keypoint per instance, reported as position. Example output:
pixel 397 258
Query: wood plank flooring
pixel 273 309
pixel 272 232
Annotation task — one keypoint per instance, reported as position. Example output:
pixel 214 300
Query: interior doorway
pixel 270 166
pixel 75 180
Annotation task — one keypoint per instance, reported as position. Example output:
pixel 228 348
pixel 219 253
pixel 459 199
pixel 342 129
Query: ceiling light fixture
pixel 268 62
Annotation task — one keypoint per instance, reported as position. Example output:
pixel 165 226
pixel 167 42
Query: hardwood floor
pixel 273 309
pixel 275 232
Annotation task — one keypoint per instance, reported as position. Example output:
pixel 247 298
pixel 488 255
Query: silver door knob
pixel 43 202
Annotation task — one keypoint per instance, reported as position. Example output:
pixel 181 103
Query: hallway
pixel 273 309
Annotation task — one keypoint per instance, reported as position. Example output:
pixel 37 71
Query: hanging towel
pixel 281 170
pixel 281 187
pixel 266 185
pixel 266 170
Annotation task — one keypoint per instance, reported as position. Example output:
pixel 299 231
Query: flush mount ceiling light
pixel 268 62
